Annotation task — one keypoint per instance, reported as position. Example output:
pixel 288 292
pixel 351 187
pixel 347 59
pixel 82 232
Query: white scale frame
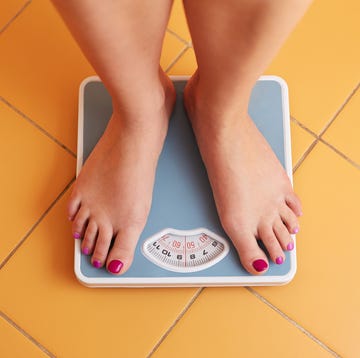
pixel 190 281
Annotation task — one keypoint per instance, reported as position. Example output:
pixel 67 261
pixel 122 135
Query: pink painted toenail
pixel 296 230
pixel 85 251
pixel 279 260
pixel 96 263
pixel 115 266
pixel 260 265
pixel 290 246
pixel 76 235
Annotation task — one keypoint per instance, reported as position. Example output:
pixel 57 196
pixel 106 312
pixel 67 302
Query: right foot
pixel 112 195
pixel 253 195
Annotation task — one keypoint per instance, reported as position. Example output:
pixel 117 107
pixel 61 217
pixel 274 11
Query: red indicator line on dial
pixel 185 252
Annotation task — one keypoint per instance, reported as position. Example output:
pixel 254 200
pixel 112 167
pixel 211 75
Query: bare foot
pixel 253 194
pixel 112 195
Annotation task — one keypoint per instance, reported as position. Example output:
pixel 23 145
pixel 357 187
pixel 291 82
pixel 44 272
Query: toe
pixel 88 243
pixel 102 245
pixel 251 256
pixel 122 252
pixel 282 234
pixel 294 203
pixel 268 237
pixel 80 222
pixel 73 206
pixel 290 220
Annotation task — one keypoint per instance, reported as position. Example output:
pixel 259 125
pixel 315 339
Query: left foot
pixel 112 195
pixel 252 192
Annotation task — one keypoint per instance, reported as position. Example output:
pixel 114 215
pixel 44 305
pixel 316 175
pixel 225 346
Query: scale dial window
pixel 185 251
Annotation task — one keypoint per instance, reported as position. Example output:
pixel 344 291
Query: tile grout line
pixel 15 16
pixel 318 137
pixel 337 113
pixel 337 151
pixel 311 146
pixel 323 141
pixel 303 126
pixel 305 155
pixel 177 36
pixel 294 323
pixel 177 58
pixel 20 243
pixel 37 126
pixel 27 335
pixel 179 317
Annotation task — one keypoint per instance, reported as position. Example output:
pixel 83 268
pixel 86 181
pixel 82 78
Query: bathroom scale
pixel 183 242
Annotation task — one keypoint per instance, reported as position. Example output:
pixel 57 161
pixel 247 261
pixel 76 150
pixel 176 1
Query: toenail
pixel 279 260
pixel 96 263
pixel 115 266
pixel 260 265
pixel 290 246
pixel 76 235
pixel 296 230
pixel 85 251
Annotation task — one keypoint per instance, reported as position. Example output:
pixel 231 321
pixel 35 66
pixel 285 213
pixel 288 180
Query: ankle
pixel 142 100
pixel 225 88
pixel 212 107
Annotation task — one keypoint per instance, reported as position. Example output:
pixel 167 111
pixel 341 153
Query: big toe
pixel 251 256
pixel 122 253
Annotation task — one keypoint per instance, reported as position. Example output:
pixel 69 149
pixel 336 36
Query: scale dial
pixel 185 251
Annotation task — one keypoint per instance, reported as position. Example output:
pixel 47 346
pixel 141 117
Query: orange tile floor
pixel 44 311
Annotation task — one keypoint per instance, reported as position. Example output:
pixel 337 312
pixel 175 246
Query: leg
pixel 112 195
pixel 234 41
